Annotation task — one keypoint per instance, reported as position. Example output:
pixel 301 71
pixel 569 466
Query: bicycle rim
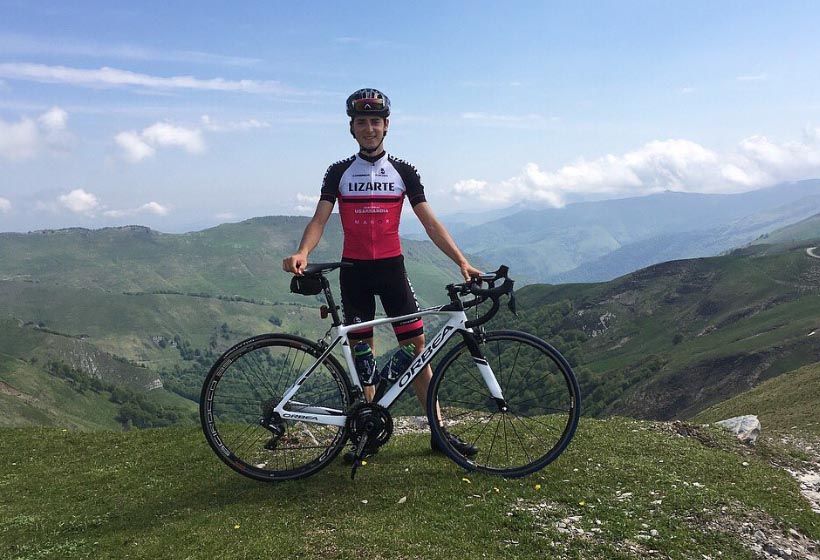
pixel 542 397
pixel 243 387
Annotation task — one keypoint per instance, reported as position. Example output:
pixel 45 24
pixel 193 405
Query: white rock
pixel 747 428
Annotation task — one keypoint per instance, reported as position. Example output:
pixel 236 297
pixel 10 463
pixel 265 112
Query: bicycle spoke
pixel 251 384
pixel 538 390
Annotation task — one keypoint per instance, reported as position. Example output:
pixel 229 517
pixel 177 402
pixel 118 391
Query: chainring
pixel 370 419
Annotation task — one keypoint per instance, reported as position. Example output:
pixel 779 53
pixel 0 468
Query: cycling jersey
pixel 370 191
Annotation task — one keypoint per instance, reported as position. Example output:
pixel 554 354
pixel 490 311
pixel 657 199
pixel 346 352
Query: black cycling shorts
pixel 386 278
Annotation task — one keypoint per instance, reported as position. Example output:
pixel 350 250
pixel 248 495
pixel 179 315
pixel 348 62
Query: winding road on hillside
pixel 810 252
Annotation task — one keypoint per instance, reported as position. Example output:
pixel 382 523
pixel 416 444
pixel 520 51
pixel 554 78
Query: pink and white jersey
pixel 370 193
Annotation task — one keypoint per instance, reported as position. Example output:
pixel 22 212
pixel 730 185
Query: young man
pixel 371 187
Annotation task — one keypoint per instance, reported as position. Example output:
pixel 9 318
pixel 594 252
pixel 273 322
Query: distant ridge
pixel 596 241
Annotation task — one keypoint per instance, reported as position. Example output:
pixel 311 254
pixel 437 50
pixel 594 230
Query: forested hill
pixel 670 340
pixel 242 259
pixel 87 316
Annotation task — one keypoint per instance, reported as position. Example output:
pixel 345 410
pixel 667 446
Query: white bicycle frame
pixel 329 416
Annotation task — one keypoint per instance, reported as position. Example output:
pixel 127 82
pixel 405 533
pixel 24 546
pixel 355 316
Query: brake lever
pixel 511 304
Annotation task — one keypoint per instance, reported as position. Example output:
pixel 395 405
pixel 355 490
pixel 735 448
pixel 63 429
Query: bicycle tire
pixel 541 393
pixel 243 386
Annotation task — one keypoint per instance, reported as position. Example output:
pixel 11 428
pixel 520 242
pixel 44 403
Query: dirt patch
pixel 760 534
pixel 7 389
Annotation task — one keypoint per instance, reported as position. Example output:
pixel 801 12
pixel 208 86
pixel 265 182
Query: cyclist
pixel 370 187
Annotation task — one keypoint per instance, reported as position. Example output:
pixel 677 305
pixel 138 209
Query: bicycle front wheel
pixel 542 404
pixel 247 383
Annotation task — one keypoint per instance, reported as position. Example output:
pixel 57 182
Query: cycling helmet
pixel 368 101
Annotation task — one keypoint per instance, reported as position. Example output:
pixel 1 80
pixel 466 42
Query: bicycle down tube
pixel 454 324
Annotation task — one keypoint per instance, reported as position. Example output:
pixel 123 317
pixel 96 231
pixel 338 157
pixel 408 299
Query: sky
pixel 181 116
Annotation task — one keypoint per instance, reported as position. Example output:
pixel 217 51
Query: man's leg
pixel 369 390
pixel 422 382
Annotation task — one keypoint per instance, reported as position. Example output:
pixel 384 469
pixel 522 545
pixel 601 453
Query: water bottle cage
pixel 367 374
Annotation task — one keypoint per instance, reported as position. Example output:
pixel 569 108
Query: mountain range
pixel 601 240
pixel 151 311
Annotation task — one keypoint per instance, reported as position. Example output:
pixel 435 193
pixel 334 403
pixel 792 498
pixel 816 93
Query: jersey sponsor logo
pixel 371 210
pixel 356 186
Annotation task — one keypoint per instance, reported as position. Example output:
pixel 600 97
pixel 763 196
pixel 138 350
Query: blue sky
pixel 179 119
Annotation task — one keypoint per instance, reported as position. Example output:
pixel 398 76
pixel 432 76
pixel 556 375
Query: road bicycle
pixel 279 407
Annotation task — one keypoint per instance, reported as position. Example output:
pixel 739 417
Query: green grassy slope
pixel 134 306
pixel 672 339
pixel 31 396
pixel 807 230
pixel 786 404
pixel 243 259
pixel 631 487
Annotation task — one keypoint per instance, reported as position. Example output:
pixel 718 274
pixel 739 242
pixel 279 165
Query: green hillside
pixel 624 489
pixel 142 309
pixel 785 405
pixel 807 230
pixel 242 259
pixel 34 393
pixel 672 339
pixel 664 342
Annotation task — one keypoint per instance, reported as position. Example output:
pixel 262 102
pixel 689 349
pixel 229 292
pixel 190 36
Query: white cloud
pixel 113 77
pixel 27 137
pixel 211 125
pixel 19 140
pixel 66 46
pixel 54 119
pixel 149 208
pixel 137 146
pixel 306 204
pixel 676 164
pixel 164 134
pixel 133 146
pixel 687 90
pixel 5 205
pixel 79 201
pixel 154 208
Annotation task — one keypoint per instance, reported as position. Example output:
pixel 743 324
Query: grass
pixel 785 404
pixel 631 486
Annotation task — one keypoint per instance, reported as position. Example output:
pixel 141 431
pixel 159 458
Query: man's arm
pixel 313 233
pixel 439 235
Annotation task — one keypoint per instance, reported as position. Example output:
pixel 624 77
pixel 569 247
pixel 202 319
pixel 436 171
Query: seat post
pixel 331 303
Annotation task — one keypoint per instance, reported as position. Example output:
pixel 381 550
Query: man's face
pixel 369 131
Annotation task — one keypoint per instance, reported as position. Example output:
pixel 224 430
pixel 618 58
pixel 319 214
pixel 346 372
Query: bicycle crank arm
pixel 357 458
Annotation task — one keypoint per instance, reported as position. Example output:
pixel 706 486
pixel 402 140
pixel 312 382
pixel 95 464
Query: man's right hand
pixel 295 264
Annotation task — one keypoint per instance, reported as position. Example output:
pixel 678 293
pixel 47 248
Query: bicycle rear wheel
pixel 243 387
pixel 541 394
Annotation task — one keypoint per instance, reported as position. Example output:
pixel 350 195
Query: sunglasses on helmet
pixel 369 104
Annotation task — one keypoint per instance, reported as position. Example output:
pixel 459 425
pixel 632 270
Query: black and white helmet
pixel 368 101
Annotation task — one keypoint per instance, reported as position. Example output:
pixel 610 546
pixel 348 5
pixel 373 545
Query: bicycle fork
pixel 486 371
